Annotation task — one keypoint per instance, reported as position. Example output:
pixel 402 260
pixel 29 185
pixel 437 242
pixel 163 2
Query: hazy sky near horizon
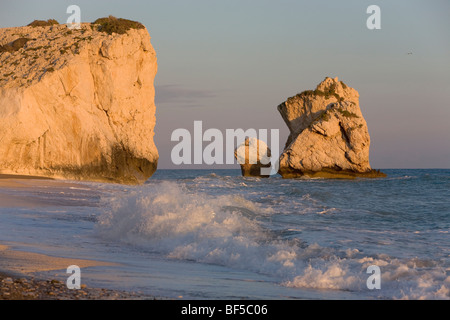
pixel 230 63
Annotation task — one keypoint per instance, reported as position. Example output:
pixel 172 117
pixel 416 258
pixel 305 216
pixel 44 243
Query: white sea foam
pixel 229 230
pixel 166 219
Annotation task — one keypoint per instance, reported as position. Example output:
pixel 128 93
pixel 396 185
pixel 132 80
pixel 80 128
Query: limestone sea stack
pixel 78 104
pixel 253 155
pixel 328 137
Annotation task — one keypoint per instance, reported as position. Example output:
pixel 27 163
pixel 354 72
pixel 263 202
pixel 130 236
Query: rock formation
pixel 78 104
pixel 328 134
pixel 253 155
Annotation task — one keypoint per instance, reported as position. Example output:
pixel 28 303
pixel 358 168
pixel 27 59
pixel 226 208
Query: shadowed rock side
pixel 328 134
pixel 77 104
pixel 253 155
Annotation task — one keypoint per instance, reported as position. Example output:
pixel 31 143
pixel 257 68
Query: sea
pixel 213 234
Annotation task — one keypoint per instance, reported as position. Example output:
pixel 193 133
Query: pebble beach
pixel 29 288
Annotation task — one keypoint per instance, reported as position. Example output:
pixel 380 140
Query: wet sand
pixel 20 182
pixel 13 287
pixel 20 176
pixel 22 262
pixel 17 281
pixel 18 268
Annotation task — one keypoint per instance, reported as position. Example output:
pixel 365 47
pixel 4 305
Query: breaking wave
pixel 170 219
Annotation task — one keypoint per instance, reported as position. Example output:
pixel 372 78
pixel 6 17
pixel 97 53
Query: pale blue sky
pixel 230 63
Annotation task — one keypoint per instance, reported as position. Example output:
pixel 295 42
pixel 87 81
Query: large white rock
pixel 328 134
pixel 78 104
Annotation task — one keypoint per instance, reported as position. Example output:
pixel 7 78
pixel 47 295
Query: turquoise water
pixel 212 234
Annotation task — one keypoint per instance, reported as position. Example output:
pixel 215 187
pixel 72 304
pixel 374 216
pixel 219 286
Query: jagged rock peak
pixel 328 133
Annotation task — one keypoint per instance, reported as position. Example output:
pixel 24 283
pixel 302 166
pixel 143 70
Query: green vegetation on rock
pixel 347 114
pixel 331 92
pixel 43 23
pixel 112 25
pixel 14 46
pixel 324 116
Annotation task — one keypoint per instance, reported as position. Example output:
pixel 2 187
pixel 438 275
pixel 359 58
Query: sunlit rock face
pixel 77 104
pixel 328 134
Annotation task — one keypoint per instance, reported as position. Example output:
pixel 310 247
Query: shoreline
pixel 18 282
pixel 22 177
pixel 14 287
pixel 23 182
pixel 18 267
